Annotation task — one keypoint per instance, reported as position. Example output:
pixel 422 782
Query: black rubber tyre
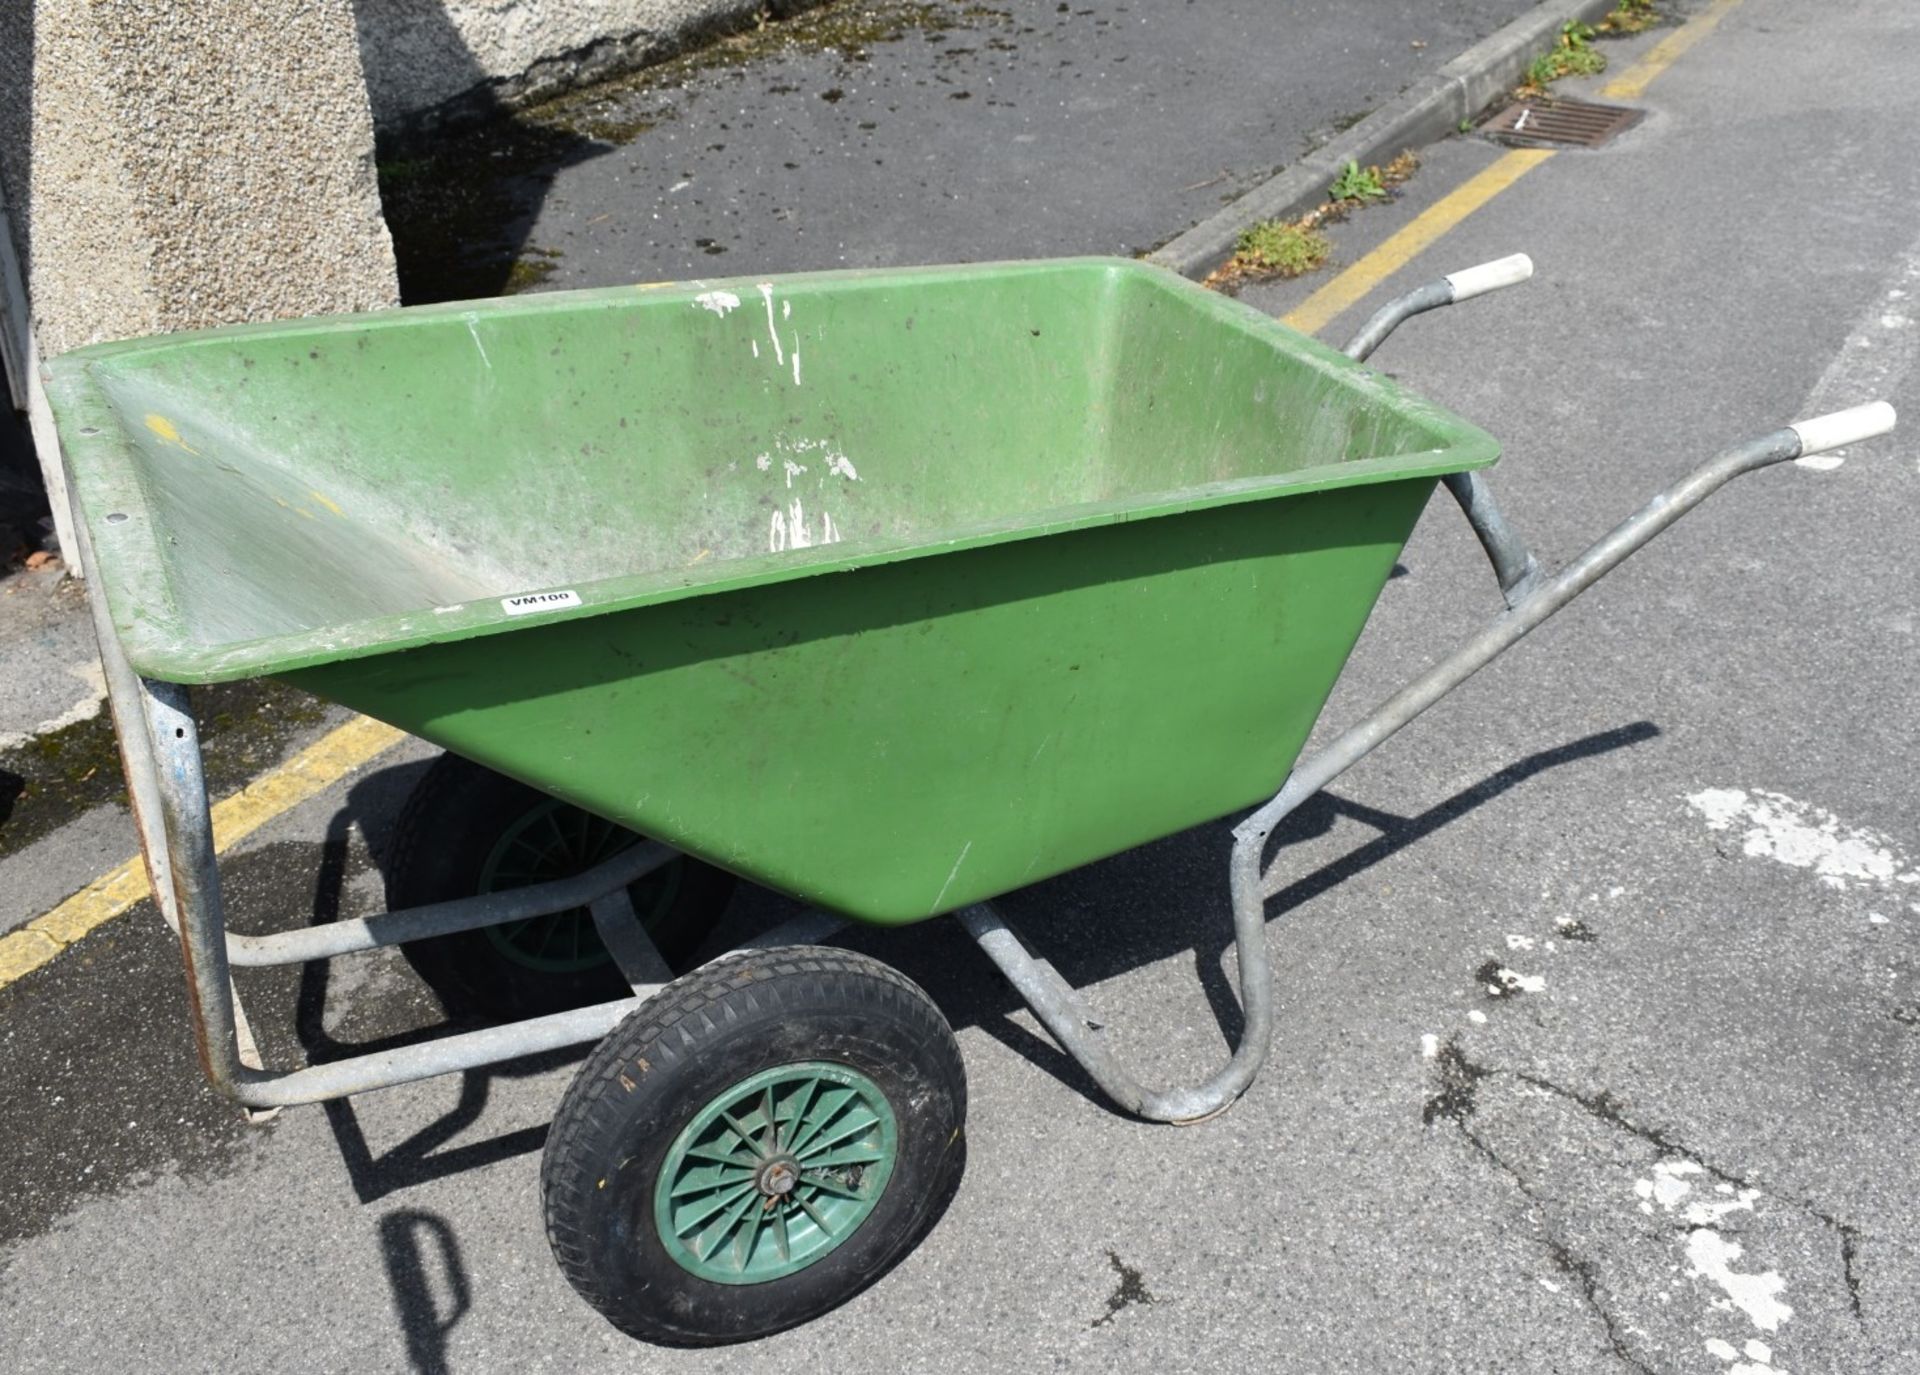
pixel 688 1048
pixel 448 844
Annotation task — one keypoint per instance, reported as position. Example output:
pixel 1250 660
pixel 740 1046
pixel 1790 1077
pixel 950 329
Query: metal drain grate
pixel 1559 123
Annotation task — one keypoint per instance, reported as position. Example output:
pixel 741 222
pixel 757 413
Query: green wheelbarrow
pixel 891 591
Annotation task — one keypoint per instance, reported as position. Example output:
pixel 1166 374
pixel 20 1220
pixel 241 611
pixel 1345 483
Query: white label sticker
pixel 529 602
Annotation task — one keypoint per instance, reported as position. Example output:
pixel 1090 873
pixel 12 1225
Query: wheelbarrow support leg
pixel 1059 1006
pixel 127 702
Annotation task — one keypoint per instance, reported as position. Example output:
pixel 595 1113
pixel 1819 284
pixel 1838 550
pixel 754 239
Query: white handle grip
pixel 1478 281
pixel 1842 428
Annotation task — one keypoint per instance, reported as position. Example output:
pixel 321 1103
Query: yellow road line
pixel 1632 83
pixel 1345 290
pixel 1437 219
pixel 275 792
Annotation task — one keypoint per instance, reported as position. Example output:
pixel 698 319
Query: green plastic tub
pixel 890 590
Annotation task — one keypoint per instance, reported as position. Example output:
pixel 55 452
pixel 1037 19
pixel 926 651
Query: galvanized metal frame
pixel 167 787
pixel 1530 601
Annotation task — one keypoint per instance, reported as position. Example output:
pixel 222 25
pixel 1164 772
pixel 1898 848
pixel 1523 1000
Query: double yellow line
pixel 353 745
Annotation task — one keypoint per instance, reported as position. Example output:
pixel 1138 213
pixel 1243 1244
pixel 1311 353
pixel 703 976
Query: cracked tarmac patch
pixel 1132 1289
pixel 1672 1249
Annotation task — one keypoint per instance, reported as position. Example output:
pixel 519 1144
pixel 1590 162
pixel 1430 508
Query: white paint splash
pixel 786 310
pixel 1877 356
pixel 763 462
pixel 1477 1017
pixel 1759 1357
pixel 1519 942
pixel 788 529
pixel 719 302
pixel 1429 1046
pixel 1513 981
pixel 1805 837
pixel 756 347
pixel 1669 1187
pixel 796 365
pixel 840 466
pixel 773 330
pixel 1711 1257
pixel 793 470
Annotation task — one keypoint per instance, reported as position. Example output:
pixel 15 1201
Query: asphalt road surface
pixel 1599 988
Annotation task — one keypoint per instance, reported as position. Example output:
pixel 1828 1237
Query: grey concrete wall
pixel 167 166
pixel 429 60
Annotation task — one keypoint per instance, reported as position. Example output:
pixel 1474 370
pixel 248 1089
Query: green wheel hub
pixel 775 1172
pixel 555 840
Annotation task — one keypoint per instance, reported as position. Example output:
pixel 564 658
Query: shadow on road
pixel 1317 817
pixel 1105 920
pixel 427 1154
pixel 1095 924
pixel 431 1291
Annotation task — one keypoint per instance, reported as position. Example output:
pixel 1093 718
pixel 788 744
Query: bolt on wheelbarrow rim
pixel 775 1172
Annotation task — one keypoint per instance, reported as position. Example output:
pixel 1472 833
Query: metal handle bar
pixel 1514 566
pixel 1451 289
pixel 1058 1005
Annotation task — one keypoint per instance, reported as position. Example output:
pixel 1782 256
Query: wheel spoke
pixel 856 1154
pixel 750 1236
pixel 846 1096
pixel 770 1141
pixel 746 1137
pixel 692 1215
pixel 795 1122
pixel 550 816
pixel 707 1178
pixel 826 1228
pixel 723 1229
pixel 831 1183
pixel 511 934
pixel 847 1129
pixel 722 1157
pixel 780 1237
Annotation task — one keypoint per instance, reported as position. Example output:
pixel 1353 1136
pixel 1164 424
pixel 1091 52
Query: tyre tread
pixel 663 1030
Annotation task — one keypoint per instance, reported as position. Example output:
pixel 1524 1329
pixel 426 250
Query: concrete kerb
pixel 1429 110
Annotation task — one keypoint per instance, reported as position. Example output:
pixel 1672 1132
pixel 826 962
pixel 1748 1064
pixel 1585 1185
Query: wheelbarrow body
pixel 893 591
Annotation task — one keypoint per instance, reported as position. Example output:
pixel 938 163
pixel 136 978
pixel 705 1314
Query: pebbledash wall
pixel 173 164
pixel 427 60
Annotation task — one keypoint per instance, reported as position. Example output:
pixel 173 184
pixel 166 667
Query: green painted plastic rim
pixel 712 1206
pixel 552 840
